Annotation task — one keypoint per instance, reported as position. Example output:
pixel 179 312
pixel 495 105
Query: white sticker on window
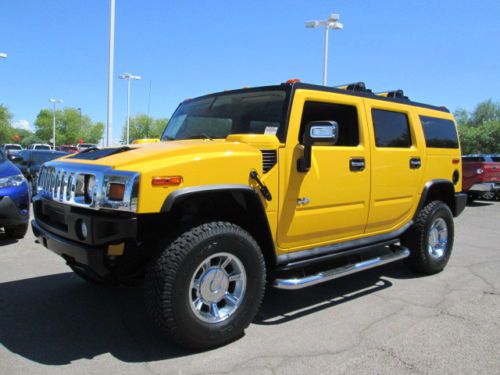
pixel 271 130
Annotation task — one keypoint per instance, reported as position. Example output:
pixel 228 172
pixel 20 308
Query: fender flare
pixel 186 192
pixel 428 187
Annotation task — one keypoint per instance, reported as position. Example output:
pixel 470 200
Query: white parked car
pixel 40 146
pixel 84 146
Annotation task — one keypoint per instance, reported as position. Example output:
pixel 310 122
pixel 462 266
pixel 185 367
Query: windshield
pixel 250 112
pixel 13 147
pixel 2 158
pixel 42 157
pixel 42 147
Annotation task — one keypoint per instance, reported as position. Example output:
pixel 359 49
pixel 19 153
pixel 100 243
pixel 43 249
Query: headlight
pixel 10 181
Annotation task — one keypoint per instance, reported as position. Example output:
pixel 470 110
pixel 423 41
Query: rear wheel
pixel 489 195
pixel 17 232
pixel 206 286
pixel 430 239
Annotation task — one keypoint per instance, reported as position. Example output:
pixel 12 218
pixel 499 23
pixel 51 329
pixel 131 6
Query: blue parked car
pixel 14 200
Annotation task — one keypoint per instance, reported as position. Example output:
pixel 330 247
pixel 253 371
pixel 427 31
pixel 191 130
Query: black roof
pixel 309 86
pixel 367 94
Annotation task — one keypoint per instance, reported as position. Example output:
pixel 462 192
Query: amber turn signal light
pixel 166 181
pixel 116 191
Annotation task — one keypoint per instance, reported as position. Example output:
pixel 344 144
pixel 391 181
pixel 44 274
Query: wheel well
pixel 240 207
pixel 438 191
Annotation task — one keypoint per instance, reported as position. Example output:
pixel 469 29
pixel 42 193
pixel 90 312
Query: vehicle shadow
pixel 4 240
pixel 281 306
pixel 479 204
pixel 58 319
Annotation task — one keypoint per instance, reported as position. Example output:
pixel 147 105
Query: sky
pixel 444 52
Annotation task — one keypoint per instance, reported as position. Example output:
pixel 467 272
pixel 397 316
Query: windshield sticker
pixel 271 130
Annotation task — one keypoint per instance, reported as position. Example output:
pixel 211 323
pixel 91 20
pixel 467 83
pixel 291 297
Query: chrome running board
pixel 302 282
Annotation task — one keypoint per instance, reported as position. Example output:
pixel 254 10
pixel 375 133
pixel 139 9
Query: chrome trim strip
pixel 56 179
pixel 302 282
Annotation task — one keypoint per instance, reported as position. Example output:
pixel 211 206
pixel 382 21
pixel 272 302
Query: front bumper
pixel 11 214
pixel 66 221
pixel 485 187
pixel 74 253
pixel 56 226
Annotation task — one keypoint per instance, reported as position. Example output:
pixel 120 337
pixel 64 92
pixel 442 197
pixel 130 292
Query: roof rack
pixel 355 86
pixel 398 94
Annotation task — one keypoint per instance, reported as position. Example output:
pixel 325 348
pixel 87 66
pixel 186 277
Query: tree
pixel 70 127
pixel 480 130
pixel 6 132
pixel 144 126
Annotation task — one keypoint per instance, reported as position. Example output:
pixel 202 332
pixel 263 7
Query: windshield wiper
pixel 201 135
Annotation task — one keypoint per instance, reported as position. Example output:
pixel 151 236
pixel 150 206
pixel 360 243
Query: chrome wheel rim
pixel 438 238
pixel 488 195
pixel 217 288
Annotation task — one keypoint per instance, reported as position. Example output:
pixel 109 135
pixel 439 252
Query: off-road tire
pixel 416 239
pixel 16 232
pixel 168 278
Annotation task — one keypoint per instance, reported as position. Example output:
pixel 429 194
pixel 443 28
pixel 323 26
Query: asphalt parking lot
pixel 384 321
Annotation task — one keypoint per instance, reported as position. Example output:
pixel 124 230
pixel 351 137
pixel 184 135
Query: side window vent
pixel 269 159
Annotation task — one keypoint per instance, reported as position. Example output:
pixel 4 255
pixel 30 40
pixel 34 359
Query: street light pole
pixel 129 77
pixel 109 123
pixel 54 102
pixel 325 58
pixel 332 23
pixel 80 110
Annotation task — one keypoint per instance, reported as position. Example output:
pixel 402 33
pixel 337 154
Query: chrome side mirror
pixel 316 132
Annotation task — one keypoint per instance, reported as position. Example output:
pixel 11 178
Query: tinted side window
pixel 346 117
pixel 391 128
pixel 439 133
pixel 495 158
pixel 473 158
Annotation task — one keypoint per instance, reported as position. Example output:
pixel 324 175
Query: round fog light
pixel 81 229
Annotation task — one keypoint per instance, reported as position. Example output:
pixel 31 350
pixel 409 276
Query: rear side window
pixel 346 117
pixel 42 147
pixel 439 133
pixel 391 128
pixel 495 158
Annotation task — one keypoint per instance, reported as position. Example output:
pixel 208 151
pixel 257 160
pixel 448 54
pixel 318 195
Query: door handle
pixel 357 164
pixel 415 163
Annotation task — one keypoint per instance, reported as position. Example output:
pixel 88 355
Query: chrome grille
pixel 85 186
pixel 269 159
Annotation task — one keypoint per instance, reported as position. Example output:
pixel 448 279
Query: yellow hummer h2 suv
pixel 289 185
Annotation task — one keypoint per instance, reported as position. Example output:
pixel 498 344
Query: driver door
pixel 330 202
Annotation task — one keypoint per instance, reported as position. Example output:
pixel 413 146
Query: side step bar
pixel 302 282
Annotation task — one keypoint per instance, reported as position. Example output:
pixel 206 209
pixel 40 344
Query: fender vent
pixel 269 159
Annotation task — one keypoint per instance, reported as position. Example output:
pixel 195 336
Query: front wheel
pixel 206 287
pixel 430 239
pixel 16 232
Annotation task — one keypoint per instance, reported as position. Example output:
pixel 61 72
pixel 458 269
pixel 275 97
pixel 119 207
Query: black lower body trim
pixel 340 247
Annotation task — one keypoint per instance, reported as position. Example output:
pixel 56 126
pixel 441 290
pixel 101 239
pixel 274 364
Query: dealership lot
pixel 386 321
